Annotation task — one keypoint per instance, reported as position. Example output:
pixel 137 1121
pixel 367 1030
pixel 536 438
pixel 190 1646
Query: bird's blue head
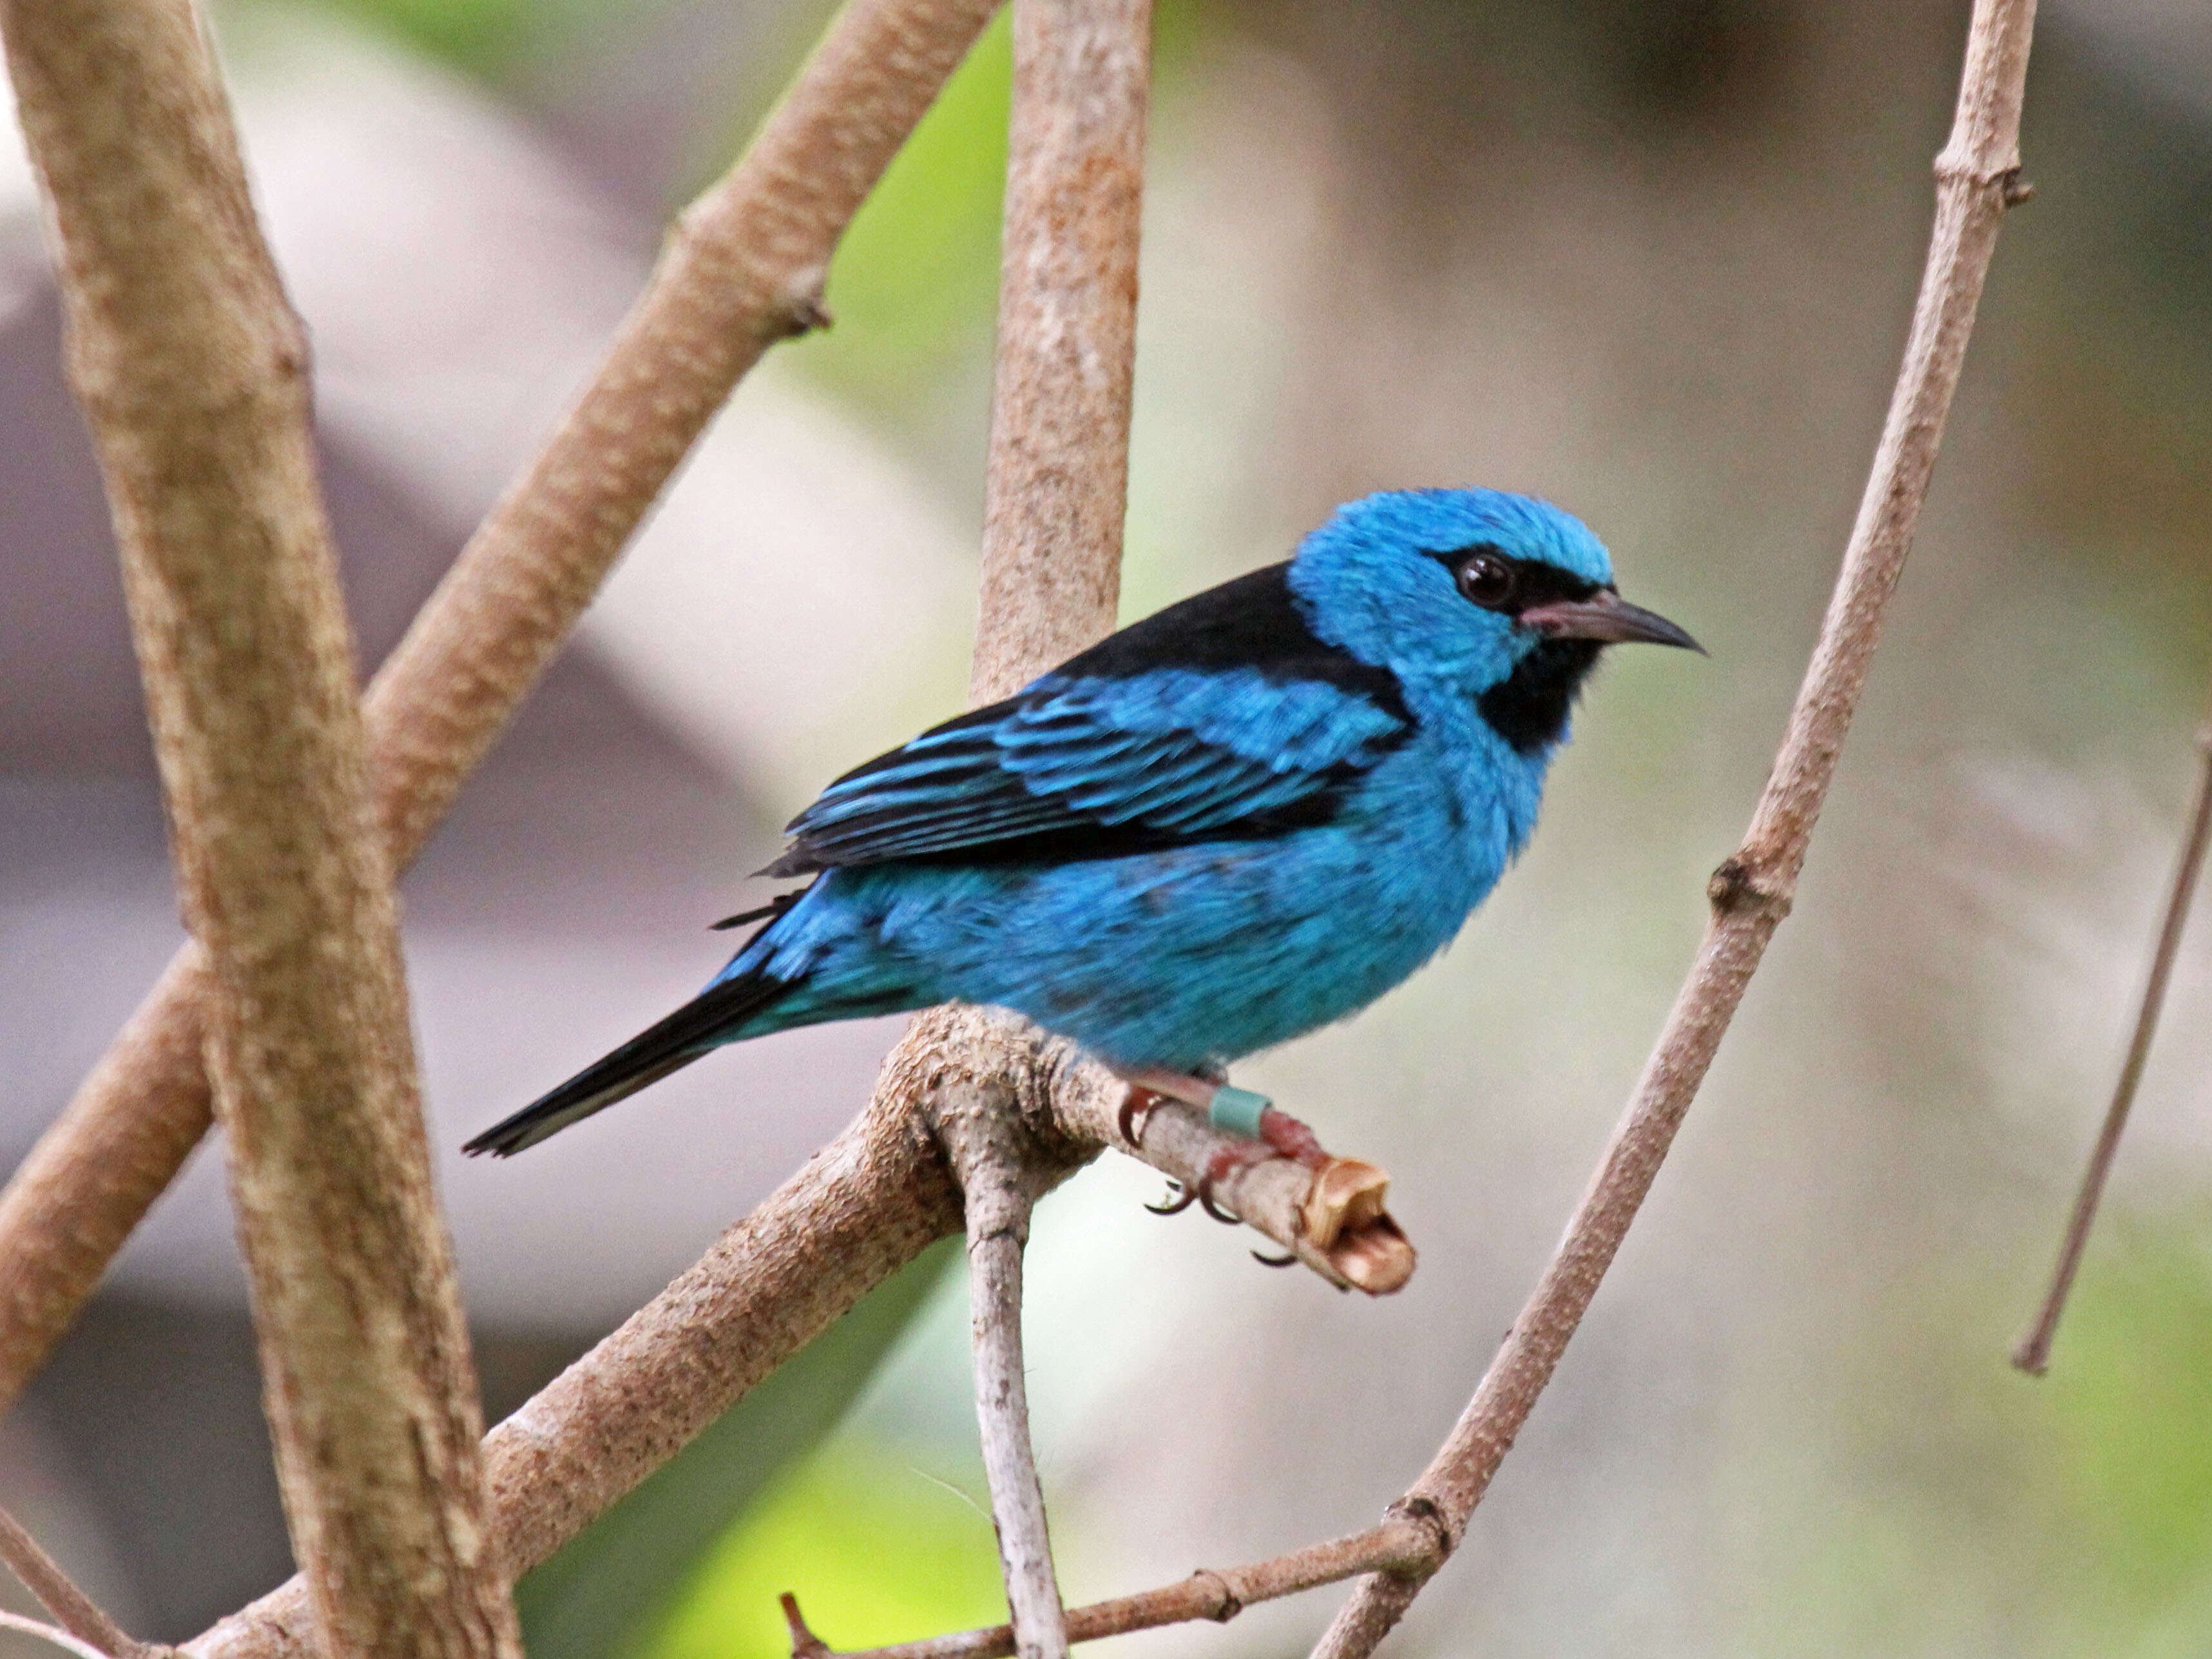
pixel 1474 592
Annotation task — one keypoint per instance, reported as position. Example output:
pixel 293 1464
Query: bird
pixel 1239 819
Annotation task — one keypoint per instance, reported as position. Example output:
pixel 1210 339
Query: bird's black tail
pixel 650 1055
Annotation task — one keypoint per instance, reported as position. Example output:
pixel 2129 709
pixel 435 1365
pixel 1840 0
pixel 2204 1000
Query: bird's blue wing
pixel 1080 766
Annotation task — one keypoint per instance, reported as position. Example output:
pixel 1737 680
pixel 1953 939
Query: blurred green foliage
pixel 914 284
pixel 2130 1421
pixel 602 1593
pixel 1984 1512
pixel 479 36
pixel 876 1552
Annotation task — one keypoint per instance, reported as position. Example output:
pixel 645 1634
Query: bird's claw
pixel 1281 1135
pixel 1225 1164
pixel 1136 1111
pixel 1206 1202
pixel 1179 1199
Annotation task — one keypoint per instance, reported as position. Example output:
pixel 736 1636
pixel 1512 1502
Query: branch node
pixel 1973 173
pixel 1429 1516
pixel 1738 888
pixel 1227 1603
pixel 804 310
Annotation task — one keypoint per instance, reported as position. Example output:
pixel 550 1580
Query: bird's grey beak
pixel 1604 616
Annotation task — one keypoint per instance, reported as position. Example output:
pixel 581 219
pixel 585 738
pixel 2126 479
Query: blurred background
pixel 1653 261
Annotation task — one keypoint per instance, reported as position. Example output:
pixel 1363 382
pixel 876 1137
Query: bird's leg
pixel 1147 1089
pixel 1278 1135
pixel 1150 1084
pixel 1251 1117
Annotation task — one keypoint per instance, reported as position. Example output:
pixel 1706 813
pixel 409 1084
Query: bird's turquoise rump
pixel 1233 822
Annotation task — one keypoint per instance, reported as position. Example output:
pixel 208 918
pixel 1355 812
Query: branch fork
pixel 1411 1539
pixel 1014 1112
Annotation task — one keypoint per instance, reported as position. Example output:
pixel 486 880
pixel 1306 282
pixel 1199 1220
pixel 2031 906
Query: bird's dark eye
pixel 1488 580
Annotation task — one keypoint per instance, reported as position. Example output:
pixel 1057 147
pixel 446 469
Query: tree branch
pixel 191 370
pixel 743 270
pixel 1058 485
pixel 1004 1165
pixel 861 1207
pixel 2033 1354
pixel 1403 1544
pixel 65 1640
pixel 1977 179
pixel 58 1594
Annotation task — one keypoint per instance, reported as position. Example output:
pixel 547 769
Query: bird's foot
pixel 1279 1135
pixel 1137 1109
pixel 1341 1218
pixel 1150 1084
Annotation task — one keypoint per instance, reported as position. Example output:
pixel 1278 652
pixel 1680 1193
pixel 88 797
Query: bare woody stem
pixel 861 1207
pixel 1977 179
pixel 57 1592
pixel 743 270
pixel 997 1218
pixel 2033 1355
pixel 1057 489
pixel 66 1641
pixel 1003 1165
pixel 1404 1544
pixel 191 370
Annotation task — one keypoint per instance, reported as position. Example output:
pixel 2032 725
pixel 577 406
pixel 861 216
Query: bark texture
pixel 1059 482
pixel 191 370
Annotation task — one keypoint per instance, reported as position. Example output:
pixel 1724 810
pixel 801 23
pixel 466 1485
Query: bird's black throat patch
pixel 1529 707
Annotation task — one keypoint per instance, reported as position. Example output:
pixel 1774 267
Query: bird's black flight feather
pixel 652 1055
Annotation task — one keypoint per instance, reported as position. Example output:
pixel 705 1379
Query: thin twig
pixel 743 270
pixel 997 1219
pixel 1977 179
pixel 2033 1355
pixel 1403 1544
pixel 58 1594
pixel 191 370
pixel 805 1644
pixel 67 1642
pixel 1002 1167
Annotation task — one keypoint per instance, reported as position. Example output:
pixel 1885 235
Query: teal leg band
pixel 1236 1111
